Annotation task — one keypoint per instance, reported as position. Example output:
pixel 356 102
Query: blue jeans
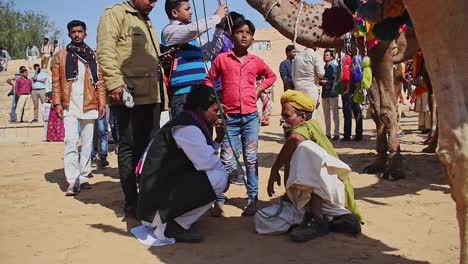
pixel 243 131
pixel 13 108
pixel 100 139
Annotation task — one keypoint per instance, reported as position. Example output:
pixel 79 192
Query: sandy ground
pixel 409 221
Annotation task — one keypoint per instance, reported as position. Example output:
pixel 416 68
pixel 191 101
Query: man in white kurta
pixel 307 70
pixel 78 97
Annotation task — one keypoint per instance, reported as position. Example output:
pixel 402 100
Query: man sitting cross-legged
pixel 317 184
pixel 180 173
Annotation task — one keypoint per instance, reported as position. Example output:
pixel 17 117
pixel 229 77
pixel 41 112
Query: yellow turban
pixel 298 100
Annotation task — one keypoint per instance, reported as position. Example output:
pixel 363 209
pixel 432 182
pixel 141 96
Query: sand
pixel 409 221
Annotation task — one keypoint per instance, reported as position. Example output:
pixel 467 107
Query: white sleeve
pixel 319 66
pixel 180 34
pixel 192 141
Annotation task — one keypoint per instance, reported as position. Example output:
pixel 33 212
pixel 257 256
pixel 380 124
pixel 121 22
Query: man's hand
pixel 116 94
pixel 59 110
pixel 259 92
pixel 222 12
pixel 274 177
pixel 220 128
pixel 102 112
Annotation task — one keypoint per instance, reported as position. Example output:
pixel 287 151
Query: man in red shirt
pixel 23 88
pixel 238 70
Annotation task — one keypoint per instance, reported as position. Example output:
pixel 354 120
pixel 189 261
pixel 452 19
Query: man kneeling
pixel 317 185
pixel 180 172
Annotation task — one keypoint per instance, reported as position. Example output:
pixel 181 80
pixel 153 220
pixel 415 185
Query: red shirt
pixel 23 86
pixel 238 81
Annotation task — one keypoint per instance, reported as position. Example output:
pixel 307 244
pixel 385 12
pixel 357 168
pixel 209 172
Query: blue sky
pixel 89 11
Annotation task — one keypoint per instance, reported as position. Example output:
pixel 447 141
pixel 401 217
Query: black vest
pixel 169 183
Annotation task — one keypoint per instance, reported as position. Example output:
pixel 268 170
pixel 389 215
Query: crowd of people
pixel 172 175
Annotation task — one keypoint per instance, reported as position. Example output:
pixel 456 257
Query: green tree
pixel 18 28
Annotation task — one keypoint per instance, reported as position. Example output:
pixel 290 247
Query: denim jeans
pixel 243 131
pixel 13 108
pixel 100 139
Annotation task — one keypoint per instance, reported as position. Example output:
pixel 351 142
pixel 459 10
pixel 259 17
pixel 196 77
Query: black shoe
pixel 310 228
pixel 345 139
pixel 347 224
pixel 357 138
pixel 102 163
pixel 85 186
pixel 329 137
pixel 34 120
pixel 130 211
pixel 180 234
pixel 336 137
pixel 250 209
pixel 236 178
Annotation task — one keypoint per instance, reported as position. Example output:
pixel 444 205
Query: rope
pixel 239 166
pixel 271 8
pixel 297 22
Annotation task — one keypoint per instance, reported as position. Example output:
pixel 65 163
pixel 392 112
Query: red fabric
pixel 346 74
pixel 55 128
pixel 239 93
pixel 23 86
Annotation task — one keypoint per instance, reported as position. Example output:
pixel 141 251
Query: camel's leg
pixel 380 162
pixel 446 60
pixel 456 172
pixel 382 68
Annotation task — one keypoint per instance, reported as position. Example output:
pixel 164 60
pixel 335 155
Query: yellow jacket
pixel 126 50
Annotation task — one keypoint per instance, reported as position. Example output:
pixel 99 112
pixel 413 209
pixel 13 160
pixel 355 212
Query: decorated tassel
pixel 356 69
pixel 346 73
pixel 358 96
pixel 420 90
pixel 337 21
pixel 366 73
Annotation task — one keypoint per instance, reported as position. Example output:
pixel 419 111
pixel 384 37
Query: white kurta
pixel 312 170
pixel 307 69
pixel 77 97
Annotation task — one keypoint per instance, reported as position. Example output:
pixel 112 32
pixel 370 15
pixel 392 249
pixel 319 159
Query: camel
pixel 282 15
pixel 442 36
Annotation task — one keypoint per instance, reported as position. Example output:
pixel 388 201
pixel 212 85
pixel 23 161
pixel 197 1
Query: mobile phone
pixel 168 52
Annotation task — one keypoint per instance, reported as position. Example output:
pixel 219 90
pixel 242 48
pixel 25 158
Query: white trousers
pixel 218 181
pixel 77 167
pixel 330 106
pixel 22 106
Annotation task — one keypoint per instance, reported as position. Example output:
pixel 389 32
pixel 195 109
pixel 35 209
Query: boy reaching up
pixel 238 69
pixel 188 67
